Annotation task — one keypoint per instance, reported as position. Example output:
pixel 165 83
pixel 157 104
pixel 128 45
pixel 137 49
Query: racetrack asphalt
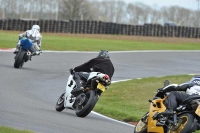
pixel 28 95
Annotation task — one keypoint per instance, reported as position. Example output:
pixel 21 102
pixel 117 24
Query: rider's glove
pixel 161 92
pixel 108 82
pixel 71 71
pixel 20 37
pixel 191 84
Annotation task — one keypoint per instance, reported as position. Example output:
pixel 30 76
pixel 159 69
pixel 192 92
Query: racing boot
pixel 161 121
pixel 167 112
pixel 16 50
pixel 77 90
pixel 162 117
pixel 198 126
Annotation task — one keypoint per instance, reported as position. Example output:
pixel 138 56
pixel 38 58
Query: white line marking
pixel 112 119
pixel 120 80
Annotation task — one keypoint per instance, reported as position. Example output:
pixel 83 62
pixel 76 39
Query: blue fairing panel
pixel 25 43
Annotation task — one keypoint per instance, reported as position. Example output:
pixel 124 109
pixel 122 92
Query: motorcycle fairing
pixel 160 107
pixel 71 84
pixel 94 74
pixel 69 87
pixel 26 43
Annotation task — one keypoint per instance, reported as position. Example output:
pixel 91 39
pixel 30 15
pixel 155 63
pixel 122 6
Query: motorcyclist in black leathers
pixel 101 63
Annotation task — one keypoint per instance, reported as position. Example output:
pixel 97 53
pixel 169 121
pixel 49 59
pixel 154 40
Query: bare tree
pixel 106 11
pixel 195 20
pixel 120 12
pixel 138 13
pixel 116 11
pixel 9 7
pixel 32 9
pixel 154 15
pixel 74 9
pixel 183 16
pixel 180 16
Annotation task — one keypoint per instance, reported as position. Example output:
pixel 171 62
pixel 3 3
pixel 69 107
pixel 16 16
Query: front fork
pixel 172 122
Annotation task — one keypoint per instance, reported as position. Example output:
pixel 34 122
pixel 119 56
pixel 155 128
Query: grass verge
pixel 94 42
pixel 4 129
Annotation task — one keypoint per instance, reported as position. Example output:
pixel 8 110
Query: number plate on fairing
pixel 198 110
pixel 101 87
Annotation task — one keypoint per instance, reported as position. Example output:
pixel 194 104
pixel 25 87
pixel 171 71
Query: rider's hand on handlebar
pixel 191 84
pixel 161 92
pixel 71 71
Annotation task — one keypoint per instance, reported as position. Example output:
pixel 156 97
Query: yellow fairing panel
pixel 160 107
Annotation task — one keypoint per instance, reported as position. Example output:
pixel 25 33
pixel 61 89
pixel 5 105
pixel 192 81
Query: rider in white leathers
pixel 34 36
pixel 176 97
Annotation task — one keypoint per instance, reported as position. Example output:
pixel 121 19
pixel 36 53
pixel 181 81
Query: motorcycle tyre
pixel 19 59
pixel 93 98
pixel 60 106
pixel 189 125
pixel 144 130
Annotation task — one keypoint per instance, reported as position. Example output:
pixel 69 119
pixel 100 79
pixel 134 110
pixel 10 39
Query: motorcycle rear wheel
pixel 141 127
pixel 19 59
pixel 60 103
pixel 90 100
pixel 185 125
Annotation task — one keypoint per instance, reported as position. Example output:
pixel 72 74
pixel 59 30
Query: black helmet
pixel 104 54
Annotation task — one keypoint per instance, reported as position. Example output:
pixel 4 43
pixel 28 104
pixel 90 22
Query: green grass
pixel 4 129
pixel 68 42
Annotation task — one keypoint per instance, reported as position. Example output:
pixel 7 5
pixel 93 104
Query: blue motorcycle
pixel 24 54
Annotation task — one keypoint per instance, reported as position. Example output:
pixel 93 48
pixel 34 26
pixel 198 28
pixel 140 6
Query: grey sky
pixel 189 4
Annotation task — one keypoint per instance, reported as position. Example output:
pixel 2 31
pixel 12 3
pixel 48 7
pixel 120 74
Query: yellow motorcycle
pixel 185 119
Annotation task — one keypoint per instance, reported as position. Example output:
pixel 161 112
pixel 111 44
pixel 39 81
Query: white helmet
pixel 37 27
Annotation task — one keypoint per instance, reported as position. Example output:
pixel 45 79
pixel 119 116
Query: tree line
pixel 115 11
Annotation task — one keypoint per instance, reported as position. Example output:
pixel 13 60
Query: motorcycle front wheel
pixel 184 124
pixel 60 103
pixel 19 59
pixel 86 103
pixel 141 126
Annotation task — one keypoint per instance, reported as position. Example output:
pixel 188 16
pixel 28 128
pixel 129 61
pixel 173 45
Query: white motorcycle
pixel 84 102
